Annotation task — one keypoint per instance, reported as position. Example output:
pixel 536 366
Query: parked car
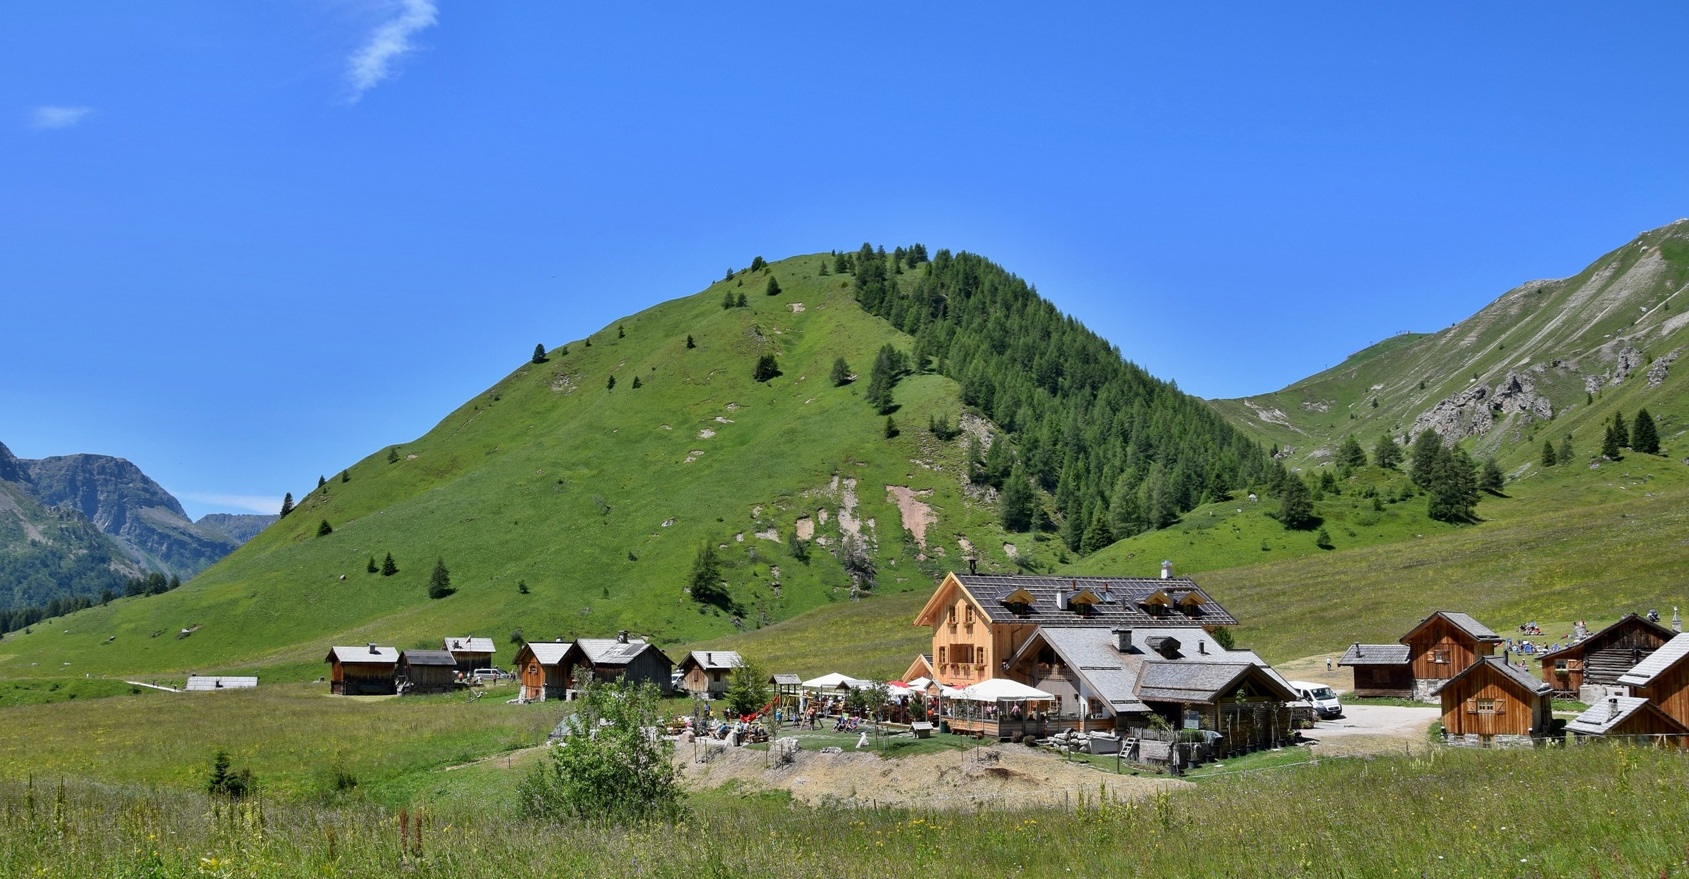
pixel 1321 698
pixel 486 676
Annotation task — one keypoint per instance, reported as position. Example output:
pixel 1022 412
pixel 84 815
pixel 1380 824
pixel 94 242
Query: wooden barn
pixel 426 671
pixel 363 671
pixel 1663 679
pixel 1381 670
pixel 1493 702
pixel 620 658
pixel 707 672
pixel 1442 647
pixel 1632 718
pixel 1584 670
pixel 470 652
pixel 539 669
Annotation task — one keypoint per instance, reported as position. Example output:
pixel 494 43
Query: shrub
pixel 612 768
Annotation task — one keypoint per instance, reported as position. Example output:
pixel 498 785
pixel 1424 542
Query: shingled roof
pixel 1669 654
pixel 613 651
pixel 428 657
pixel 369 654
pixel 1464 622
pixel 547 652
pixel 1375 654
pixel 1524 679
pixel 470 644
pixel 1199 670
pixel 1092 601
pixel 1600 719
pixel 713 660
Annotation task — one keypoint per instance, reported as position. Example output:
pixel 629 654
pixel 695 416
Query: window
pixel 941 654
pixel 1441 657
pixel 1486 706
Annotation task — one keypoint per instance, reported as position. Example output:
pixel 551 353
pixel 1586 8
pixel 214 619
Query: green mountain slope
pixel 1546 359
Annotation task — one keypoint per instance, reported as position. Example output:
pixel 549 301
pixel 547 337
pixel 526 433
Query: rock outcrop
pixel 1474 411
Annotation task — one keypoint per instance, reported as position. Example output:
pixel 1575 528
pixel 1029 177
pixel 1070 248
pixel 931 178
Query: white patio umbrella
pixel 1003 690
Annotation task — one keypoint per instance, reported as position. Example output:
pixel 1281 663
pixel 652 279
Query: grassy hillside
pixel 595 500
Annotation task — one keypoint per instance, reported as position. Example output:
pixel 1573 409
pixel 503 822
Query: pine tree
pixel 1621 432
pixel 371 568
pixel 1610 444
pixel 689 343
pixel 1350 453
pixel 758 264
pixel 1566 450
pixel 636 382
pixel 1644 437
pixel 773 288
pixel 287 505
pixel 440 581
pixel 1386 454
pixel 1549 458
pixel 823 272
pixel 522 587
pixel 321 482
pixel 620 333
pixel 767 367
pixel 539 353
pixel 388 568
pixel 729 275
pixel 1098 534
pixel 1296 506
pixel 393 455
pixel 740 301
pixel 1015 503
pixel 1323 539
pixel 345 476
pixel 611 384
pixel 705 578
pixel 1427 448
pixel 1453 490
pixel 727 300
pixel 325 529
pixel 841 372
pixel 1490 479
pixel 891 428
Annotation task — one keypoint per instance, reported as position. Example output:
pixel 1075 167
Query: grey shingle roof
pixel 1188 681
pixel 1464 622
pixel 1375 654
pixel 365 655
pixel 1200 671
pixel 1667 656
pixel 548 652
pixel 1601 717
pixel 786 679
pixel 470 644
pixel 428 657
pixel 713 660
pixel 1119 606
pixel 1527 681
pixel 200 683
pixel 611 652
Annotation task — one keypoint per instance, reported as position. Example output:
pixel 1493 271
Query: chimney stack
pixel 1167 569
pixel 372 647
pixel 1676 620
pixel 973 565
pixel 622 637
pixel 1612 707
pixel 1357 650
pixel 1123 640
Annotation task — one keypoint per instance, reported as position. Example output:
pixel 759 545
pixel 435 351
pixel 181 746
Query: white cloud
pixel 373 62
pixel 57 117
pixel 257 503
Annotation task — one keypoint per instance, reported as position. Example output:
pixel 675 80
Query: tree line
pixel 1118 451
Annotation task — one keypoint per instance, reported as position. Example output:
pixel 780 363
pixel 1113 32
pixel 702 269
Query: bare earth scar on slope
pixel 917 515
pixel 997 777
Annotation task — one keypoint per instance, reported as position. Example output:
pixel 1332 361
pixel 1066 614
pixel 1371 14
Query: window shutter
pixel 1500 706
pixel 1472 705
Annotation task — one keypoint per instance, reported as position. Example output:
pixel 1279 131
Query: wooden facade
pixel 1602 658
pixel 1663 679
pixel 708 672
pixel 539 669
pixel 426 671
pixel 620 658
pixel 1490 698
pixel 363 671
pixel 1441 647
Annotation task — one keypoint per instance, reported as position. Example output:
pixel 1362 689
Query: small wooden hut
pixel 1492 702
pixel 362 671
pixel 707 672
pixel 471 653
pixel 1629 717
pixel 1597 662
pixel 426 671
pixel 1443 646
pixel 620 658
pixel 1381 670
pixel 1663 679
pixel 788 692
pixel 539 666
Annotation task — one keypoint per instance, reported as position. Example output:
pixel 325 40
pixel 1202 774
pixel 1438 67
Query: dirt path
pixel 1374 729
pixel 1002 777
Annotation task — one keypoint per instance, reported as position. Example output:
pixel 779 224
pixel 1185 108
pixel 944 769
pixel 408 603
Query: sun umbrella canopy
pixel 826 682
pixel 1003 690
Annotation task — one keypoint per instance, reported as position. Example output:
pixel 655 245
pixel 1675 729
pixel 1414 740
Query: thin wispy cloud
pixel 374 61
pixel 257 503
pixel 42 118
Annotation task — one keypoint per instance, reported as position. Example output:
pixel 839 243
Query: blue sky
pixel 244 244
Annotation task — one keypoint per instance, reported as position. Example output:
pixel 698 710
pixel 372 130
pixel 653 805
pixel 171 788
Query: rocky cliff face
pixel 241 526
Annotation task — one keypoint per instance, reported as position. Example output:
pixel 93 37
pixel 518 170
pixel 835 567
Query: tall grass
pixel 1582 811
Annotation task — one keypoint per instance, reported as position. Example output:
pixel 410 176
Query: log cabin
pixel 471 653
pixel 539 669
pixel 1491 702
pixel 363 671
pixel 1583 671
pixel 707 672
pixel 426 671
pixel 979 621
pixel 1663 679
pixel 620 658
pixel 1443 646
pixel 1629 717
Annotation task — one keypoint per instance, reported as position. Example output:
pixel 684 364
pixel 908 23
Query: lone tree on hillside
pixel 440 581
pixel 286 504
pixel 539 353
pixel 740 302
pixel 1386 454
pixel 767 367
pixel 727 300
pixel 1296 507
pixel 1549 458
pixel 388 568
pixel 891 428
pixel 1490 479
pixel 610 767
pixel 1644 437
pixel 611 384
pixel 841 372
pixel 1350 453
pixel 325 529
pixel 321 482
pixel 705 579
pixel 689 342
pixel 773 288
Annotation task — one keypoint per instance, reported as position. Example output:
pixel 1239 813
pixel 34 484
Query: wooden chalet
pixel 471 653
pixel 362 671
pixel 1493 702
pixel 920 668
pixel 1117 679
pixel 1629 717
pixel 707 672
pixel 620 658
pixel 1663 679
pixel 1443 646
pixel 1585 670
pixel 426 671
pixel 979 621
pixel 1381 670
pixel 539 669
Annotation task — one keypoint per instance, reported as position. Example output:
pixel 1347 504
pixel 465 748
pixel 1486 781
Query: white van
pixel 1319 697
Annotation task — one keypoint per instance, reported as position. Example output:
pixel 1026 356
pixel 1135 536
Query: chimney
pixel 709 658
pixel 973 565
pixel 622 637
pixel 1061 598
pixel 1357 649
pixel 1676 620
pixel 1612 707
pixel 1123 640
pixel 1167 569
pixel 1202 647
